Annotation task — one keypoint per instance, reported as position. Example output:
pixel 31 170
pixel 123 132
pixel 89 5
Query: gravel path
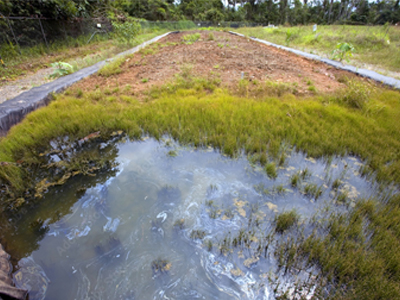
pixel 12 89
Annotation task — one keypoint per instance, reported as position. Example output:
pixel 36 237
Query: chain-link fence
pixel 17 32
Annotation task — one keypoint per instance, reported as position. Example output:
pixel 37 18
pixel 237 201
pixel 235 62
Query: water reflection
pixel 177 213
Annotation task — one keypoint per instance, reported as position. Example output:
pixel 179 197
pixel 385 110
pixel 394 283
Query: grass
pixel 191 38
pixel 286 220
pixel 322 125
pixel 370 42
pixel 357 252
pixel 112 68
pixel 73 51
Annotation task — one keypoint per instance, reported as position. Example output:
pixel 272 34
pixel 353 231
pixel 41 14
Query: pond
pixel 169 222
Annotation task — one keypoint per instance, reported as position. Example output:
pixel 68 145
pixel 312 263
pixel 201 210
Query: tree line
pixel 292 12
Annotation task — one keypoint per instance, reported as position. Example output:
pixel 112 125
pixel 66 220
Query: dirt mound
pixel 227 56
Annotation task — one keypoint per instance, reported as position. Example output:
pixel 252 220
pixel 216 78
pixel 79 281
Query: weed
pixel 355 95
pixel 179 223
pixel 342 198
pixel 209 203
pixel 336 184
pixel 312 89
pixel 289 37
pixel 208 244
pixel 260 188
pixel 305 174
pixel 280 189
pixel 197 234
pixel 160 265
pixel 295 180
pixel 271 170
pixel 213 213
pixel 61 69
pixel 211 37
pixel 191 38
pixel 285 220
pixel 112 68
pixel 343 51
pixel 313 191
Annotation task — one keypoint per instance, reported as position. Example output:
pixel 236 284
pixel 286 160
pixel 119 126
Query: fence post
pixel 12 31
pixel 44 36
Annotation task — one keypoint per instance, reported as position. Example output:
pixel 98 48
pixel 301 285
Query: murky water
pixel 156 227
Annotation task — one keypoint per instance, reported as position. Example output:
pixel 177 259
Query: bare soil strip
pixel 227 56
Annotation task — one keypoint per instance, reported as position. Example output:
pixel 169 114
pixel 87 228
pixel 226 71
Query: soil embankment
pixel 220 54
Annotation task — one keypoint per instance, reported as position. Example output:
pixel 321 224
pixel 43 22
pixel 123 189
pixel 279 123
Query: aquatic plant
pixel 312 190
pixel 295 179
pixel 285 220
pixel 197 234
pixel 356 253
pixel 179 223
pixel 208 244
pixel 160 265
pixel 271 170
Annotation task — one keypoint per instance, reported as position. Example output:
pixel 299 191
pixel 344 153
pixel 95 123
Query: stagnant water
pixel 100 243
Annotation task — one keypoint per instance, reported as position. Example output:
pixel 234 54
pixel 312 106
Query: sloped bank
pixel 386 80
pixel 14 110
pixel 6 284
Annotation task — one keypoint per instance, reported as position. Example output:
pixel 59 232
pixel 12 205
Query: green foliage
pixel 191 38
pixel 112 68
pixel 343 51
pixel 127 31
pixel 61 69
pixel 271 171
pixel 289 37
pixel 355 95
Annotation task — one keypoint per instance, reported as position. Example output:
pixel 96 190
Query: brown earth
pixel 221 53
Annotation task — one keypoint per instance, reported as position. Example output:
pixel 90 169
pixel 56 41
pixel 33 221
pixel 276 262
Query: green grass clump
pixel 112 68
pixel 286 220
pixel 191 38
pixel 197 234
pixel 313 191
pixel 271 170
pixel 295 180
pixel 359 256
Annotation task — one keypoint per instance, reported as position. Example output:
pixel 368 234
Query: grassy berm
pixel 374 45
pixel 357 252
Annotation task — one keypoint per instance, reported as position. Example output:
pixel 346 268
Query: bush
pixel 126 31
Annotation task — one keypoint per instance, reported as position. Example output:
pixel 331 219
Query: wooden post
pixel 15 38
pixel 44 36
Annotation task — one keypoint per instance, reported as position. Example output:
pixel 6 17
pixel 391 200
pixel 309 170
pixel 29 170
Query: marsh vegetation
pixel 350 252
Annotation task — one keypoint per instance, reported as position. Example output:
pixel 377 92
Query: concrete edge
pixel 386 80
pixel 14 110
